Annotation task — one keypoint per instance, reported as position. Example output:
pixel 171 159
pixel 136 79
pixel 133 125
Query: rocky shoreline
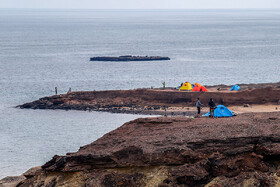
pixel 167 151
pixel 157 101
pixel 172 151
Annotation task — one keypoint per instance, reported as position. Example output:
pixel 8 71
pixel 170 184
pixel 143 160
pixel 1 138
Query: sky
pixel 142 4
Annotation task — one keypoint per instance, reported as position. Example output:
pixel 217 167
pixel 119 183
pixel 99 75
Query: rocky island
pixel 129 58
pixel 171 151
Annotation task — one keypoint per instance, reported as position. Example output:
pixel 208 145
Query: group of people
pixel 211 105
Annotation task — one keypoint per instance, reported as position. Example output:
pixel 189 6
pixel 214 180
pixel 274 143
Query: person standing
pixel 212 108
pixel 198 106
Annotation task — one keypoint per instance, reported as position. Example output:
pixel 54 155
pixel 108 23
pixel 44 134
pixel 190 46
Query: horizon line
pixel 40 8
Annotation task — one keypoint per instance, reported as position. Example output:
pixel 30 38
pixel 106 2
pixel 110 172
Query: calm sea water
pixel 43 49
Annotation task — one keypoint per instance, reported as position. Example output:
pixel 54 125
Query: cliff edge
pixel 173 151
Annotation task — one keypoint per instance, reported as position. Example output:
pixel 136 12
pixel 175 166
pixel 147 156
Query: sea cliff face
pixel 173 151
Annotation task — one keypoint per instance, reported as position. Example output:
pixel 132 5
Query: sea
pixel 41 49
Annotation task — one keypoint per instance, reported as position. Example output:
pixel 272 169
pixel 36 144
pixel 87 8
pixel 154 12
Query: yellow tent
pixel 186 86
pixel 197 84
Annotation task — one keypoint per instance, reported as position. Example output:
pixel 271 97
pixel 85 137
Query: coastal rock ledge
pixel 173 151
pixel 155 101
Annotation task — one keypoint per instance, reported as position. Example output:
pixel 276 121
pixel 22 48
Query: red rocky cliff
pixel 165 151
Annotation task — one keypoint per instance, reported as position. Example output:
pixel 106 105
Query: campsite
pixel 168 101
pixel 218 139
pixel 197 87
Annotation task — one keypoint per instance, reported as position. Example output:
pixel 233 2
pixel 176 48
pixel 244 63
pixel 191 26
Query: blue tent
pixel 235 88
pixel 221 111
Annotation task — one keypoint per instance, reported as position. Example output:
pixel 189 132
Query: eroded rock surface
pixel 174 151
pixel 11 181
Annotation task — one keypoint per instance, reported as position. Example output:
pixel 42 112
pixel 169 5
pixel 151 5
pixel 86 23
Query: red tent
pixel 203 89
pixel 196 89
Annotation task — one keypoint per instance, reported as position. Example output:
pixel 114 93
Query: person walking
pixel 198 106
pixel 212 108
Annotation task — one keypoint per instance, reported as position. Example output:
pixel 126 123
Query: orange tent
pixel 203 89
pixel 196 89
pixel 197 84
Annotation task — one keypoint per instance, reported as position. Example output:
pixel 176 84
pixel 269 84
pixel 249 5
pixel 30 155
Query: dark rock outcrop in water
pixel 165 151
pixel 129 58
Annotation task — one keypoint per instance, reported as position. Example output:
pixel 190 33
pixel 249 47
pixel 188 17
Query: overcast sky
pixel 141 4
